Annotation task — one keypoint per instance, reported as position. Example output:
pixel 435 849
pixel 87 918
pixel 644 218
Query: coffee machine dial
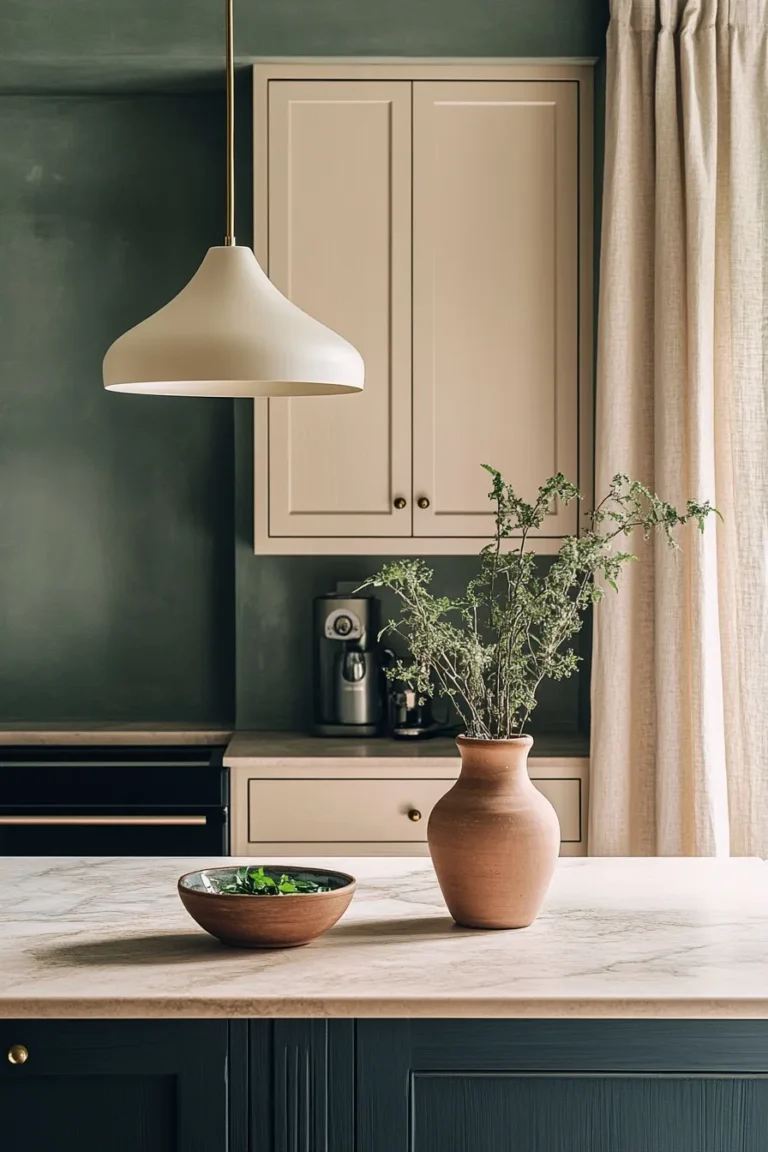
pixel 343 624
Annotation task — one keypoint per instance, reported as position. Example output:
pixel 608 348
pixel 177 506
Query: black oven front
pixel 113 801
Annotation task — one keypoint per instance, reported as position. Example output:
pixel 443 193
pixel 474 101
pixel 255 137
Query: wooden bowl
pixel 266 921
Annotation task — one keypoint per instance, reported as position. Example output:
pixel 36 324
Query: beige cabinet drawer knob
pixel 399 502
pixel 414 815
pixel 17 1054
pixel 423 502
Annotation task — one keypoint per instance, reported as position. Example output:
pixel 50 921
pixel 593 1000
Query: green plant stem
pixel 490 651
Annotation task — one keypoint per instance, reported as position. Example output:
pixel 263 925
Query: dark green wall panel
pixel 49 41
pixel 119 596
pixel 116 570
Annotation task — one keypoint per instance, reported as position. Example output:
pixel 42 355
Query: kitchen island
pixel 631 1017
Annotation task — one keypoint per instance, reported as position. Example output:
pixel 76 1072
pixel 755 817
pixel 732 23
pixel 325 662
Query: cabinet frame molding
pixel 578 70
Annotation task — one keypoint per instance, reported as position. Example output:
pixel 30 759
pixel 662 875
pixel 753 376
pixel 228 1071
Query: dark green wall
pixel 116 568
pixel 120 596
pixel 52 41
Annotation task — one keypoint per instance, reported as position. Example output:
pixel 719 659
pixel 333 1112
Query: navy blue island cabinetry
pixel 385 1085
pixel 114 1085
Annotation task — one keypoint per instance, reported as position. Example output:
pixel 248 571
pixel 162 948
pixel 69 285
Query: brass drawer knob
pixel 423 502
pixel 399 502
pixel 17 1054
pixel 414 815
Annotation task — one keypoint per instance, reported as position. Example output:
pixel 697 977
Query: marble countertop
pixel 618 938
pixel 281 749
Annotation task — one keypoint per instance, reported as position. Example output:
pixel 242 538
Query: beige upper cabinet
pixel 339 233
pixel 495 297
pixel 439 217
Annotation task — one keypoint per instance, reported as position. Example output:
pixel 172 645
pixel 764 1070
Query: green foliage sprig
pixel 257 882
pixel 489 650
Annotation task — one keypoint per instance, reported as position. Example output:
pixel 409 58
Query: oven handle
pixel 107 821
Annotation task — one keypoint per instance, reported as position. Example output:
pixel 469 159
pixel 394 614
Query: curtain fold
pixel 680 669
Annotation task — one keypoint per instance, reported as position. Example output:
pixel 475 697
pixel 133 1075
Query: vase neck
pixel 501 760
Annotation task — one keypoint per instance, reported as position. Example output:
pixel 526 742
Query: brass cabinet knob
pixel 17 1054
pixel 414 815
pixel 399 502
pixel 423 502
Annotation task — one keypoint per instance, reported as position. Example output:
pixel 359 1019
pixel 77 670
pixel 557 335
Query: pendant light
pixel 230 332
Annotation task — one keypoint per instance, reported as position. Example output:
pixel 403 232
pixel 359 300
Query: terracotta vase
pixel 494 839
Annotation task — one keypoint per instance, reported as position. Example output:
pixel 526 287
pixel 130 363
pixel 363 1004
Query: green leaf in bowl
pixel 256 882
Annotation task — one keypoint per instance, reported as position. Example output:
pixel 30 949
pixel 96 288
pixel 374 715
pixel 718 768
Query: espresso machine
pixel 349 680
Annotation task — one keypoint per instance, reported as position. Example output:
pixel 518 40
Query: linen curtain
pixel 680 670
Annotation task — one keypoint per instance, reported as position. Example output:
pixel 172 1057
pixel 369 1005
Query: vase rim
pixel 494 742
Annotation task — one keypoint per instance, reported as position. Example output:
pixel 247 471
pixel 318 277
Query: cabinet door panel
pixel 585 1114
pixel 91 1114
pixel 340 247
pixel 495 297
pixel 121 1086
pixel 561 1085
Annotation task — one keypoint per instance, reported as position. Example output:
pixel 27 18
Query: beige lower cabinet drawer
pixel 335 811
pixel 565 798
pixel 350 811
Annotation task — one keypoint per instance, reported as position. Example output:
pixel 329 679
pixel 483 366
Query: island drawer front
pixel 333 811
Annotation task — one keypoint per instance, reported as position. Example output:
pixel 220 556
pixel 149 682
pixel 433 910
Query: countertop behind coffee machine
pixel 292 749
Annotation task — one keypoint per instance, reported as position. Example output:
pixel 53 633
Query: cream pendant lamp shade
pixel 230 332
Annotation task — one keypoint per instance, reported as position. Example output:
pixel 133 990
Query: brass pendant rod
pixel 229 240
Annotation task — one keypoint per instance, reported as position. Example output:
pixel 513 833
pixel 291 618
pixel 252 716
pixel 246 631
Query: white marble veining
pixel 618 938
